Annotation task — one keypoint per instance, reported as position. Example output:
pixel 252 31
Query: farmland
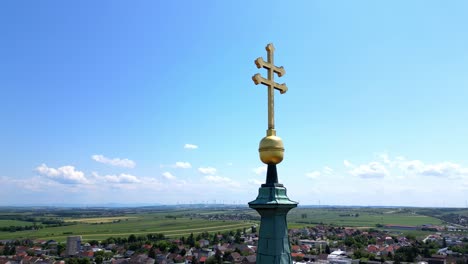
pixel 360 217
pixel 102 223
pixel 170 223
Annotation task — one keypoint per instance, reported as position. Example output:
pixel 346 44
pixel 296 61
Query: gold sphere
pixel 271 149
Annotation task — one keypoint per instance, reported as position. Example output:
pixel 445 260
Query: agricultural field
pixel 171 224
pixel 7 223
pixel 358 217
pixel 98 220
pixel 102 223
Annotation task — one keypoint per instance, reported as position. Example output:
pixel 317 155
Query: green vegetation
pixel 8 223
pixel 358 217
pixel 171 223
pixel 102 223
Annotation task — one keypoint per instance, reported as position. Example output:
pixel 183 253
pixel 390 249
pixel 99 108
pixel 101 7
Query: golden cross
pixel 272 69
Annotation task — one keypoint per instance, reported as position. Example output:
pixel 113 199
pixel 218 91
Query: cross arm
pixel 263 64
pixel 257 79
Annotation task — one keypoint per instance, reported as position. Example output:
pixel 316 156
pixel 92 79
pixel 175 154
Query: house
pixel 436 259
pixel 203 242
pixel 373 249
pixel 251 259
pixel 297 255
pixel 235 257
pixel 296 248
pixel 203 259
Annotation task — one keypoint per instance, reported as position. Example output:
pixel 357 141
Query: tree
pixel 152 253
pixel 218 257
pixel 77 261
pixel 397 259
pixel 162 245
pixel 132 238
pixel 173 248
pixel 71 261
pixel 94 243
pixel 12 250
pixel 359 254
pixel 349 241
pixel 390 255
pixel 60 248
pixel 211 260
pixel 190 240
pixel 226 255
pixel 99 259
pixel 6 249
pixel 84 261
pixel 237 238
pixel 215 240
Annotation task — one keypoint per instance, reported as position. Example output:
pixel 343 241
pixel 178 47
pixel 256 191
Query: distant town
pixel 230 235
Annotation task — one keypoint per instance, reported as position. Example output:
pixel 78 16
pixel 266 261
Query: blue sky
pixel 153 102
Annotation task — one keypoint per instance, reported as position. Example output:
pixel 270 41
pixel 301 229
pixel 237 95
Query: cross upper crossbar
pixel 263 64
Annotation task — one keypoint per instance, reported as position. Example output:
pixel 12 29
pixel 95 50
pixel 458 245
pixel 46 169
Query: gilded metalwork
pixel 271 147
pixel 270 82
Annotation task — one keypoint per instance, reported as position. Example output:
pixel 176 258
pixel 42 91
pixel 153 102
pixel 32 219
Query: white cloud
pixel 371 170
pixel 207 170
pixel 347 164
pixel 327 170
pixel 121 178
pixel 313 175
pixel 65 174
pixel 384 158
pixel 217 179
pixel 441 169
pixel 168 175
pixel 260 170
pixel 118 162
pixel 34 184
pixel 221 180
pixel 411 165
pixel 190 146
pixel 255 182
pixel 117 179
pixel 183 165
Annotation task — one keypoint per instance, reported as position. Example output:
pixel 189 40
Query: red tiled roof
pixel 295 248
pixel 372 249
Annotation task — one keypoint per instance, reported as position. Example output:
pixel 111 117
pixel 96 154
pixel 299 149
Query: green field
pixel 366 217
pixel 99 224
pixel 7 223
pixel 100 228
pixel 98 220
